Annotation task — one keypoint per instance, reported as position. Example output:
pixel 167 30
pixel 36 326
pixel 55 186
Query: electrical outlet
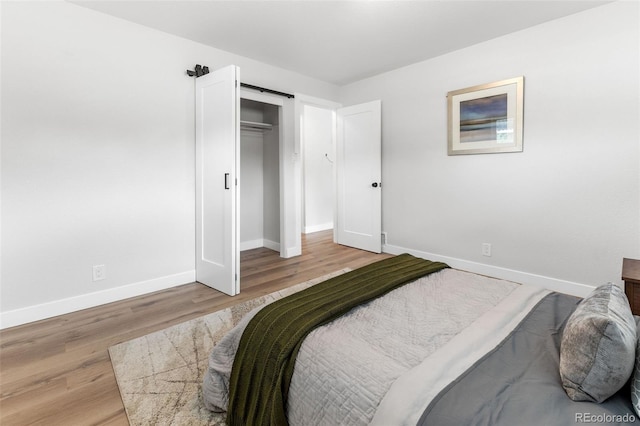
pixel 486 249
pixel 384 238
pixel 99 272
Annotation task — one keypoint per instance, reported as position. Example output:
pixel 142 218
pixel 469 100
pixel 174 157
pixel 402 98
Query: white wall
pixel 318 152
pixel 567 209
pixel 251 189
pixel 98 155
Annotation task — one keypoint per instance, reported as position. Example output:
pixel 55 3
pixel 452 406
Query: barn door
pixel 358 176
pixel 217 170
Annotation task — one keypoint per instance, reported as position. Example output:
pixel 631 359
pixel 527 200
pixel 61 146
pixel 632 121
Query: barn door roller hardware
pixel 199 71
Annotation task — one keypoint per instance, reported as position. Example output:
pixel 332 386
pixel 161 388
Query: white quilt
pixel 346 370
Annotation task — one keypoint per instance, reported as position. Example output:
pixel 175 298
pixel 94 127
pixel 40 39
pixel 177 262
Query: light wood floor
pixel 58 372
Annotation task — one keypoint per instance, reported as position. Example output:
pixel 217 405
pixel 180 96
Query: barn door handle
pixel 226 181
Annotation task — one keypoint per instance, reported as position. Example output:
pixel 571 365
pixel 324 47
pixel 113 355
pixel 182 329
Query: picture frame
pixel 487 118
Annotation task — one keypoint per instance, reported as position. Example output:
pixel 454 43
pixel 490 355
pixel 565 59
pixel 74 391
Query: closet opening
pixel 259 175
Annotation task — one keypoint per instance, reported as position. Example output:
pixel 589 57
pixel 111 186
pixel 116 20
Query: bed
pixel 406 341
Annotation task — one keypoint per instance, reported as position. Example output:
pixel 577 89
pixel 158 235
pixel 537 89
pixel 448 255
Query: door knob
pixel 374 184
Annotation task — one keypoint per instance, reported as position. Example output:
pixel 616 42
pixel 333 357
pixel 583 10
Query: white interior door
pixel 217 170
pixel 358 176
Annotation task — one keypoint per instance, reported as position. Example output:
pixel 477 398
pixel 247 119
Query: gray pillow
pixel 635 378
pixel 598 347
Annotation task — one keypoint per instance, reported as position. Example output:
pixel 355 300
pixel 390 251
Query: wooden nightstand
pixel 631 277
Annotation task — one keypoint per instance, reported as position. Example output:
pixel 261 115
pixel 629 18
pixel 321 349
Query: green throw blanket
pixel 264 363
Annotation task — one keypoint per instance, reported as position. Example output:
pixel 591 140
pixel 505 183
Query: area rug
pixel 160 375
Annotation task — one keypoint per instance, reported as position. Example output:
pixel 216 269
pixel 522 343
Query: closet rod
pixel 262 89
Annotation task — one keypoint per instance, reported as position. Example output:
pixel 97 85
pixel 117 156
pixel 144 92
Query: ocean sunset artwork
pixel 484 119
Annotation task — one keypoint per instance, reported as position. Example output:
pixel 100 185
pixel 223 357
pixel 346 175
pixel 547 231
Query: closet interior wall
pixel 259 175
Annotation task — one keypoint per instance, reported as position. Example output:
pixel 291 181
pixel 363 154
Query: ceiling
pixel 340 41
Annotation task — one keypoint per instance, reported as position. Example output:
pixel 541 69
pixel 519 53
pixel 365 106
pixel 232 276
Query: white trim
pixel 318 228
pixel 272 245
pixel 71 304
pixel 254 244
pixel 562 286
pixel 291 252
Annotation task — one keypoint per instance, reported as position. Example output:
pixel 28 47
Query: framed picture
pixel 486 118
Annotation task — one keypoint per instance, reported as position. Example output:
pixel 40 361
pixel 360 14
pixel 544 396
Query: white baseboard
pixel 90 300
pixel 254 244
pixel 272 245
pixel 318 228
pixel 250 245
pixel 561 286
pixel 64 306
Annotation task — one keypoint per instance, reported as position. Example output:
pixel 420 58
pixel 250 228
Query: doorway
pixel 259 175
pixel 341 151
pixel 318 160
